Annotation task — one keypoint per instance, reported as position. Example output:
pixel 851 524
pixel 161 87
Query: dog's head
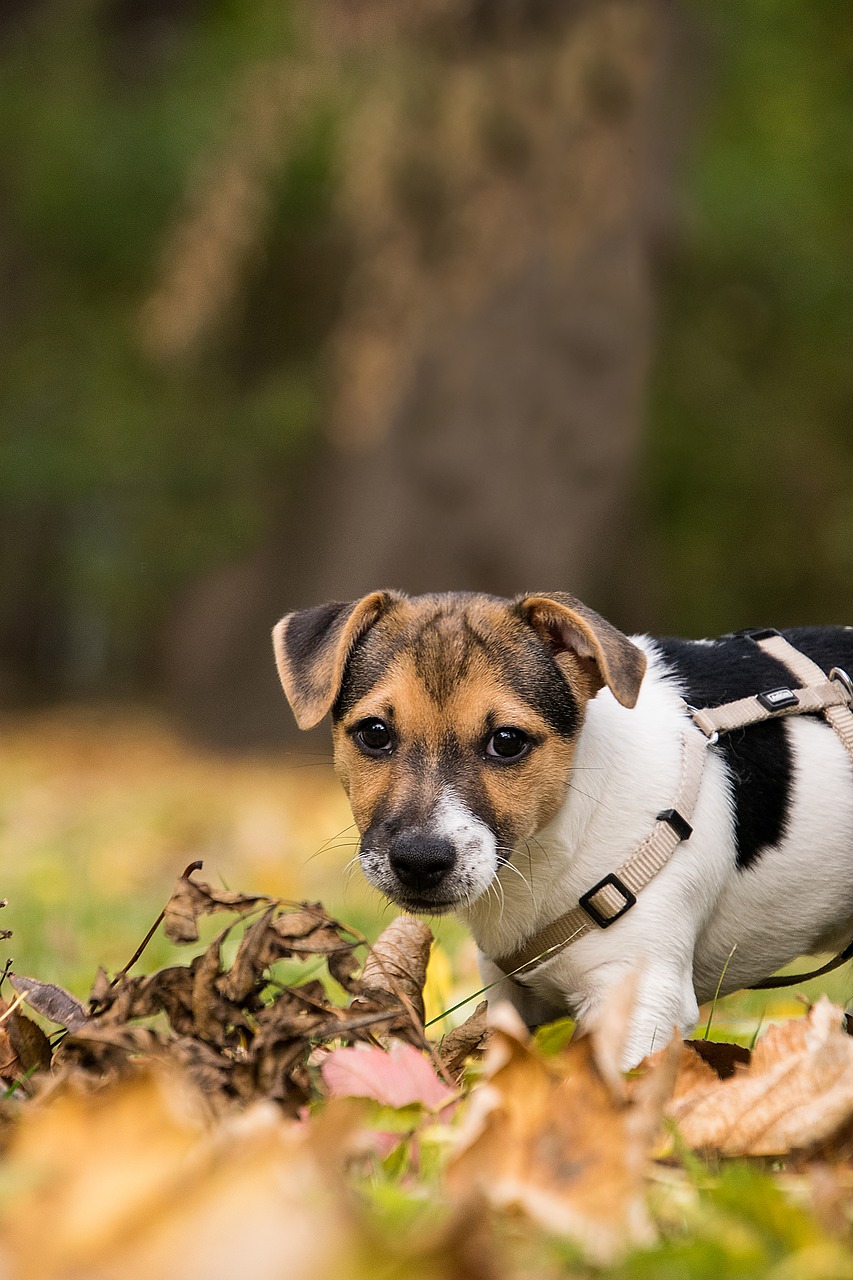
pixel 455 719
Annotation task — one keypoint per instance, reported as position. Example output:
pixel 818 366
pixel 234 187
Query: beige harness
pixel 615 894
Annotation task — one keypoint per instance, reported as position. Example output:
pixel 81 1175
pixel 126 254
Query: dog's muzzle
pixel 431 866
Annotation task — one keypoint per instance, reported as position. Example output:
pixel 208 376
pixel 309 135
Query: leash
pixel 615 894
pixel 794 979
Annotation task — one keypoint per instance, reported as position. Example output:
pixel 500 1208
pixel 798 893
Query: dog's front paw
pixel 656 1017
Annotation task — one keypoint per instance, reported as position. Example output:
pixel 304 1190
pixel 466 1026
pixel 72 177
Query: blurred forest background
pixel 303 297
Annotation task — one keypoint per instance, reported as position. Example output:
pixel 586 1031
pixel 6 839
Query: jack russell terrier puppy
pixel 591 804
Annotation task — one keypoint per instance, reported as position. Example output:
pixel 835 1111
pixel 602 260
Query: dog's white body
pixel 503 757
pixel 701 922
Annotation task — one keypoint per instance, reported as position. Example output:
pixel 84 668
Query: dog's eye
pixel 373 736
pixel 508 744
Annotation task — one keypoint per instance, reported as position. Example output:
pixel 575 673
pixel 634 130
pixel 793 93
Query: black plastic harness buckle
pixel 777 699
pixel 680 825
pixel 757 633
pixel 604 922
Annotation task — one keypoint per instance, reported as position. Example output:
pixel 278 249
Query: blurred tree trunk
pixel 507 182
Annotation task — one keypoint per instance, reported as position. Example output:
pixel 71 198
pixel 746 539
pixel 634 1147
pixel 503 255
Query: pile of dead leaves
pixel 275 1107
pixel 240 1034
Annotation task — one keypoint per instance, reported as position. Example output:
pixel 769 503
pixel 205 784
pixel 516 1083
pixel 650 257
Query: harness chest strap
pixel 614 895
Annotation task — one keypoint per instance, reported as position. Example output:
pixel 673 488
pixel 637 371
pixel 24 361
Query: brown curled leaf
pixel 168 991
pixel 397 962
pixel 257 950
pixel 343 966
pixel 20 1053
pixel 293 925
pixel 10 1067
pixel 191 899
pixel 101 989
pixel 209 1010
pixel 51 1001
pixel 106 1049
pixel 465 1041
pixel 304 933
pixel 29 1042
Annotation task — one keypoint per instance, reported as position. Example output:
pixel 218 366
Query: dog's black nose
pixel 420 861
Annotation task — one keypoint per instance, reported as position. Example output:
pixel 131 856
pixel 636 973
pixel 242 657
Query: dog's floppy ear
pixel 312 647
pixel 569 626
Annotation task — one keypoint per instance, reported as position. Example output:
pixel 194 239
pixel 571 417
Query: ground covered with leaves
pixel 264 1089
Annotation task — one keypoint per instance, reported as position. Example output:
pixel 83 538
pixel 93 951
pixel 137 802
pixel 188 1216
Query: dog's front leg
pixel 666 1005
pixel 533 1010
pixel 663 1002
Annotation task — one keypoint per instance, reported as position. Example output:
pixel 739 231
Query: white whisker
pixel 505 862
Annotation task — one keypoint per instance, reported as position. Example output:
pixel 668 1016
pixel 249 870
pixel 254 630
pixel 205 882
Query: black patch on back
pixel 758 756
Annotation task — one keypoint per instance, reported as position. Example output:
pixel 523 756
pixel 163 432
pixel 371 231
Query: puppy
pixel 503 758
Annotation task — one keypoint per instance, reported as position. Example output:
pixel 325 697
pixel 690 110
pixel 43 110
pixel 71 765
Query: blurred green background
pixel 299 299
pixel 303 297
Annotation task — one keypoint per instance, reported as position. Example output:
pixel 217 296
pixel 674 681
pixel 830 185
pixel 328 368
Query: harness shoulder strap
pixel 836 709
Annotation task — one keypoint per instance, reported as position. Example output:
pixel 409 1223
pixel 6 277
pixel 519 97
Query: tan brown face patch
pixel 455 724
pixel 452 687
pixel 444 742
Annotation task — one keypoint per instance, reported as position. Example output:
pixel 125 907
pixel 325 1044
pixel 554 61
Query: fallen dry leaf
pixel 796 1092
pixel 134 1181
pixel 192 898
pixel 397 962
pixel 467 1040
pixel 10 1067
pixel 24 1048
pixel 397 1076
pixel 117 1150
pixel 52 1002
pixel 242 1034
pixel 552 1137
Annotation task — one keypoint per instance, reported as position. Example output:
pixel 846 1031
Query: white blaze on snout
pixel 473 840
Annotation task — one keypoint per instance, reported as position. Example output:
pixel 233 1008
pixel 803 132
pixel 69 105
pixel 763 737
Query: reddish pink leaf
pixel 395 1077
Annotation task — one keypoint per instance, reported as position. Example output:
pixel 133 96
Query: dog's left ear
pixel 569 626
pixel 312 647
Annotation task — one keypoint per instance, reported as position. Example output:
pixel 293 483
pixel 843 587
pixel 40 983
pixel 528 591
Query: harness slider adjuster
pixel 604 922
pixel 679 824
pixel 777 699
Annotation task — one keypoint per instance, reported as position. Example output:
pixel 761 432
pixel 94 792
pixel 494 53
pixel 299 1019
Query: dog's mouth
pixel 426 906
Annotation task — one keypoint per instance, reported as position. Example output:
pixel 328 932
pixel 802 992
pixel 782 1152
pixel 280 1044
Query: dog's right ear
pixel 312 647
